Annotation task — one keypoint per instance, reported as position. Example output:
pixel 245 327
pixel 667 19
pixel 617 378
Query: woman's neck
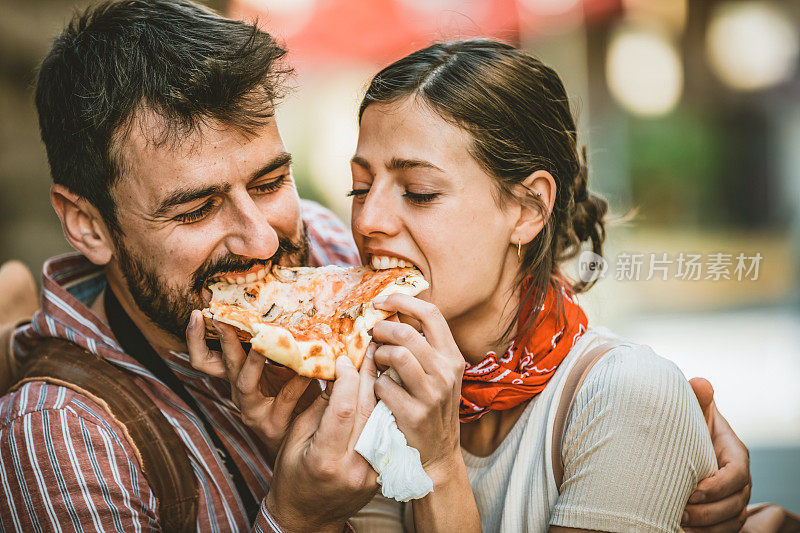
pixel 482 328
pixel 483 436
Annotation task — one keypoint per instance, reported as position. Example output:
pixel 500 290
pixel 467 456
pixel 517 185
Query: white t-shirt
pixel 634 448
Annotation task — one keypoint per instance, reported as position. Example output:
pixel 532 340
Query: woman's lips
pixel 381 262
pixel 382 259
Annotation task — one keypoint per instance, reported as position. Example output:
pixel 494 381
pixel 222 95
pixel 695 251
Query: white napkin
pixel 385 447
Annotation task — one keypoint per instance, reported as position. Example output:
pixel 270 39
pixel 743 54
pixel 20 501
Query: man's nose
pixel 251 234
pixel 377 215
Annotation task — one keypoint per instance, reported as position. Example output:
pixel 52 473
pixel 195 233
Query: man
pixel 169 170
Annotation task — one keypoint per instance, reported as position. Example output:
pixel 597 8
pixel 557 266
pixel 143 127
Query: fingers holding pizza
pixel 268 397
pixel 430 367
pixel 318 467
pixel 300 317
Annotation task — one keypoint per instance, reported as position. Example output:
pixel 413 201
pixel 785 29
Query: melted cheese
pixel 312 303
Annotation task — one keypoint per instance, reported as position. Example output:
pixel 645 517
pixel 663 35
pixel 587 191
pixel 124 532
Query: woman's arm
pixel 719 503
pixel 426 408
pixel 635 447
pixel 451 506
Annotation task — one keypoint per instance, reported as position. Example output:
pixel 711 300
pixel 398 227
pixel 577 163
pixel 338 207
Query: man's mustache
pixel 237 263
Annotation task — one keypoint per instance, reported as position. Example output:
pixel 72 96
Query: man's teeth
pixel 382 262
pixel 242 279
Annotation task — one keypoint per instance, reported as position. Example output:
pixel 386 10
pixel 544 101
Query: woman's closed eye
pixel 420 198
pixel 413 197
pixel 357 193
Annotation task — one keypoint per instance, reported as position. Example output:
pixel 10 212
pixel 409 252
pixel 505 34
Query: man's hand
pixel 320 480
pixel 719 502
pixel 268 397
pixel 19 299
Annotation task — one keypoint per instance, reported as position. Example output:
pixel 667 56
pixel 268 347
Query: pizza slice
pixel 304 317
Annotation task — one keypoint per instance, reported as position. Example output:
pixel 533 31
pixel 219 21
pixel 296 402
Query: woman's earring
pixel 519 248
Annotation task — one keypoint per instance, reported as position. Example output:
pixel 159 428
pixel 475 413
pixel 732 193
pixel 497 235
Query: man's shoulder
pixel 330 241
pixel 68 460
pixel 41 399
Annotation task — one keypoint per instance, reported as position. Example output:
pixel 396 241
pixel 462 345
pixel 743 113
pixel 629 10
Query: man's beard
pixel 170 307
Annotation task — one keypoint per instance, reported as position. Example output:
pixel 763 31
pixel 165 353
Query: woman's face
pixel 420 197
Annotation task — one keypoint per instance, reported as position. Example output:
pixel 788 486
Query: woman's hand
pixel 719 502
pixel 267 396
pixel 431 368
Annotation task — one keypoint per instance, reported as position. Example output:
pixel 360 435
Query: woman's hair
pixel 518 115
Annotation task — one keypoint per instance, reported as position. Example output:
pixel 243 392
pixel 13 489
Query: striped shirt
pixel 64 462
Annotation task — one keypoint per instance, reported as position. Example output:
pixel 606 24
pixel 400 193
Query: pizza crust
pixel 315 357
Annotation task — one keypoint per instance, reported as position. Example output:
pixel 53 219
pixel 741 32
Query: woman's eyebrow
pixel 397 163
pixel 363 163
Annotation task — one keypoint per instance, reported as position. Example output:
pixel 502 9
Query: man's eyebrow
pixel 277 162
pixel 397 163
pixel 184 196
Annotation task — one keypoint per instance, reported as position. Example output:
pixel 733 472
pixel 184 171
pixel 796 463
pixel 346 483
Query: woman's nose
pixel 376 215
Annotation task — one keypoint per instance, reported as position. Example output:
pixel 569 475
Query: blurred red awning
pixel 378 31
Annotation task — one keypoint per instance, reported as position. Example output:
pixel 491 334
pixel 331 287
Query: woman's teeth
pixel 243 278
pixel 382 262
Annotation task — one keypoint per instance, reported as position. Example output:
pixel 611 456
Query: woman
pixel 468 167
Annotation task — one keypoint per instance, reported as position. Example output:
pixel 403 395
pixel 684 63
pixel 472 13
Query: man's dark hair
pixel 174 58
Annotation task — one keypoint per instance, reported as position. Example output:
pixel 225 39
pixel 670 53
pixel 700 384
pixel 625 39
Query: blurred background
pixel 690 111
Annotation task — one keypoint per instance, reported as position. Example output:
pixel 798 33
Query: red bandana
pixel 496 384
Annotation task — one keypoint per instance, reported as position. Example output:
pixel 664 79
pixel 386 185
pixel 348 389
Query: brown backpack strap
pixel 580 369
pixel 158 448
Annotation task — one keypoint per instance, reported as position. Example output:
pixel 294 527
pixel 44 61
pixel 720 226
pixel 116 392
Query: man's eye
pixel 197 214
pixel 270 186
pixel 420 198
pixel 358 193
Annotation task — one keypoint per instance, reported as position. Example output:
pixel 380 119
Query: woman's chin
pixel 425 295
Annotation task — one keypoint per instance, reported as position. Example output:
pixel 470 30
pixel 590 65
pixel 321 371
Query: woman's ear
pixel 542 186
pixel 83 226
